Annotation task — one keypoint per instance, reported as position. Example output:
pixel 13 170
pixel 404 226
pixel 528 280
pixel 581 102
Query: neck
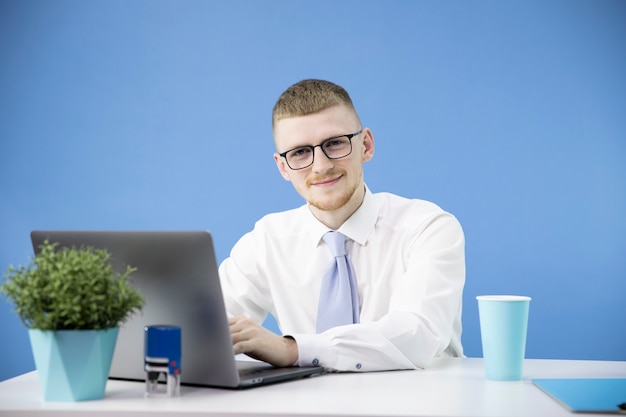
pixel 335 218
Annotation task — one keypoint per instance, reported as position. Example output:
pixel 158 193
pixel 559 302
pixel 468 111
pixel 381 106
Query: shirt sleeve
pixel 243 290
pixel 423 321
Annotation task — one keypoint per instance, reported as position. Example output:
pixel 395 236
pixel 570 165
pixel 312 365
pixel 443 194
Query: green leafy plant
pixel 71 289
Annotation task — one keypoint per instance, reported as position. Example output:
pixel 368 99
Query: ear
pixel 368 145
pixel 282 166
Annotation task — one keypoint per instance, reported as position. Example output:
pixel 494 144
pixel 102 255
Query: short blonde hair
pixel 310 96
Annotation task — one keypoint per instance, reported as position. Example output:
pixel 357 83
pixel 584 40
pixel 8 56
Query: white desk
pixel 452 387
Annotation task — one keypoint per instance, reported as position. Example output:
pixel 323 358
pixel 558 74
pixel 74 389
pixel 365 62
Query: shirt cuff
pixel 312 348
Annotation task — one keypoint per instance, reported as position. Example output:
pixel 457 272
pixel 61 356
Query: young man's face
pixel 327 184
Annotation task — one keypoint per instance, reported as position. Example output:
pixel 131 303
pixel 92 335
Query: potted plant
pixel 72 301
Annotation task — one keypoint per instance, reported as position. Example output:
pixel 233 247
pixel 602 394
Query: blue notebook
pixel 579 395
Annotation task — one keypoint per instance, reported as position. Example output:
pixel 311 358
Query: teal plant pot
pixel 73 365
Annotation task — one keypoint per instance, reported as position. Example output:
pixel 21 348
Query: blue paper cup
pixel 503 328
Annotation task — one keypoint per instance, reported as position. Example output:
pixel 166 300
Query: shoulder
pixel 394 204
pixel 270 234
pixel 283 222
pixel 398 211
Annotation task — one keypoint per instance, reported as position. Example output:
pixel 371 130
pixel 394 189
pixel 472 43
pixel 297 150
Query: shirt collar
pixel 358 227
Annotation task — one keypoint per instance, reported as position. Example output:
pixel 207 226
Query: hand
pixel 262 344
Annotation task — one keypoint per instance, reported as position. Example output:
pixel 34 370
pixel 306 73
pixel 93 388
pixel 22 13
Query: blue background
pixel 157 115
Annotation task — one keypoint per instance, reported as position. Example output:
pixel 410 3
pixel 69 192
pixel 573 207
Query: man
pixel 405 258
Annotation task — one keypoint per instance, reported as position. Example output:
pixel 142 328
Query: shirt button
pixel 316 362
pixel 358 366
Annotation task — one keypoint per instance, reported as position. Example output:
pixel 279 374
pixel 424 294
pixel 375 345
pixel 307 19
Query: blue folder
pixel 580 395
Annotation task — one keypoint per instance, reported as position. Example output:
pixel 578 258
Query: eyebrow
pixel 318 143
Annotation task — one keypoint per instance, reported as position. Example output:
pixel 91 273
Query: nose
pixel 321 163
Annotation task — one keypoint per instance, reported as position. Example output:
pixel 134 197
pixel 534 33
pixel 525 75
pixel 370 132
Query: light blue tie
pixel 339 298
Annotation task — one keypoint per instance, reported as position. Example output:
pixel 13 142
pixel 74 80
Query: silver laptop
pixel 178 277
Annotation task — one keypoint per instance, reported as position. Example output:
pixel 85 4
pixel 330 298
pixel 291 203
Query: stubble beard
pixel 335 202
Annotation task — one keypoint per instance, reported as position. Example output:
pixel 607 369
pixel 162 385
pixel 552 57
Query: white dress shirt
pixel 408 257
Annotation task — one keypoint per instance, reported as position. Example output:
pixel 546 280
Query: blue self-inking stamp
pixel 162 358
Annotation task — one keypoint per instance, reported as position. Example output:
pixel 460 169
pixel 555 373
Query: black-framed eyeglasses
pixel 334 148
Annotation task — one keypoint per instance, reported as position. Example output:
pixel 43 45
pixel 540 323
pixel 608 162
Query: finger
pixel 240 321
pixel 234 320
pixel 239 348
pixel 244 330
pixel 236 324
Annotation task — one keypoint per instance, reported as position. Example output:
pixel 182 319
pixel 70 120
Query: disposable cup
pixel 503 328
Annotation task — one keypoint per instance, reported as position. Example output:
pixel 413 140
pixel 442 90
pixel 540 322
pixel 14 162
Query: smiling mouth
pixel 324 182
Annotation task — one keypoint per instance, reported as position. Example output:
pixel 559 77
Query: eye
pixel 336 142
pixel 300 152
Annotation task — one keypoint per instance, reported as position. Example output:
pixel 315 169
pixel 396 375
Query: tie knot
pixel 336 243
